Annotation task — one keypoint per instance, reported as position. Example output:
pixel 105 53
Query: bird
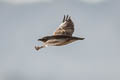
pixel 62 35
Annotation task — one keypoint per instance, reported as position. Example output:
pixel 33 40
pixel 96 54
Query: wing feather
pixel 65 28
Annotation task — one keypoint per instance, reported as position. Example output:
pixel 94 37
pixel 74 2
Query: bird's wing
pixel 66 28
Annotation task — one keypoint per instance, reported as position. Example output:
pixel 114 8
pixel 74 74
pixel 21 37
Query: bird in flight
pixel 62 36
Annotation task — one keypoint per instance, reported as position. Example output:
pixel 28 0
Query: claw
pixel 37 48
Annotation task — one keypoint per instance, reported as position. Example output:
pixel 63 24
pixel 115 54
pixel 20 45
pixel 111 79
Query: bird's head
pixel 44 39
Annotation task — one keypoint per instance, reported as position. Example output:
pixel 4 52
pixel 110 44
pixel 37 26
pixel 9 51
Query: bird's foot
pixel 37 48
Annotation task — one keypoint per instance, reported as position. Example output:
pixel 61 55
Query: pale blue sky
pixel 95 58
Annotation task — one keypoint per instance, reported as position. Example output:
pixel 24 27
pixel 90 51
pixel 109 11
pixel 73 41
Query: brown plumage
pixel 66 28
pixel 62 36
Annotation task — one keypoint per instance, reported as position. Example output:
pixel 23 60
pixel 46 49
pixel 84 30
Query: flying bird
pixel 62 36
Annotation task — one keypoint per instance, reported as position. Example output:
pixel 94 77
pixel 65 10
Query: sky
pixel 97 57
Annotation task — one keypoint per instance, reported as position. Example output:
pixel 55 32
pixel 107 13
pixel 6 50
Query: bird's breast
pixel 58 42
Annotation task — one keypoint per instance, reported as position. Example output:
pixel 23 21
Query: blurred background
pixel 97 57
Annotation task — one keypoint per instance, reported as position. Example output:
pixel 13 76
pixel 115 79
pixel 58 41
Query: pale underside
pixel 58 42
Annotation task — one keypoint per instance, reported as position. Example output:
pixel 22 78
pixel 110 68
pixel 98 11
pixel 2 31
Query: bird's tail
pixel 81 38
pixel 39 47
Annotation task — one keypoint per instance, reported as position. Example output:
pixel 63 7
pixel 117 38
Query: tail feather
pixel 81 38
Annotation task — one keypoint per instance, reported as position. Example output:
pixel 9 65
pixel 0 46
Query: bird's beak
pixel 39 39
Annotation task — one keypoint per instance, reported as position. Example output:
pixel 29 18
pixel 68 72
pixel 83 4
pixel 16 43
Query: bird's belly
pixel 58 42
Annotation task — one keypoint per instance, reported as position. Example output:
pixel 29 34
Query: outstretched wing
pixel 66 28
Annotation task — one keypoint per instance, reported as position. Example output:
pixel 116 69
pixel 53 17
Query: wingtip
pixel 67 17
pixel 64 18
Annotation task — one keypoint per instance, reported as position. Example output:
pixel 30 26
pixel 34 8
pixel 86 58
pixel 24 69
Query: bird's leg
pixel 39 47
